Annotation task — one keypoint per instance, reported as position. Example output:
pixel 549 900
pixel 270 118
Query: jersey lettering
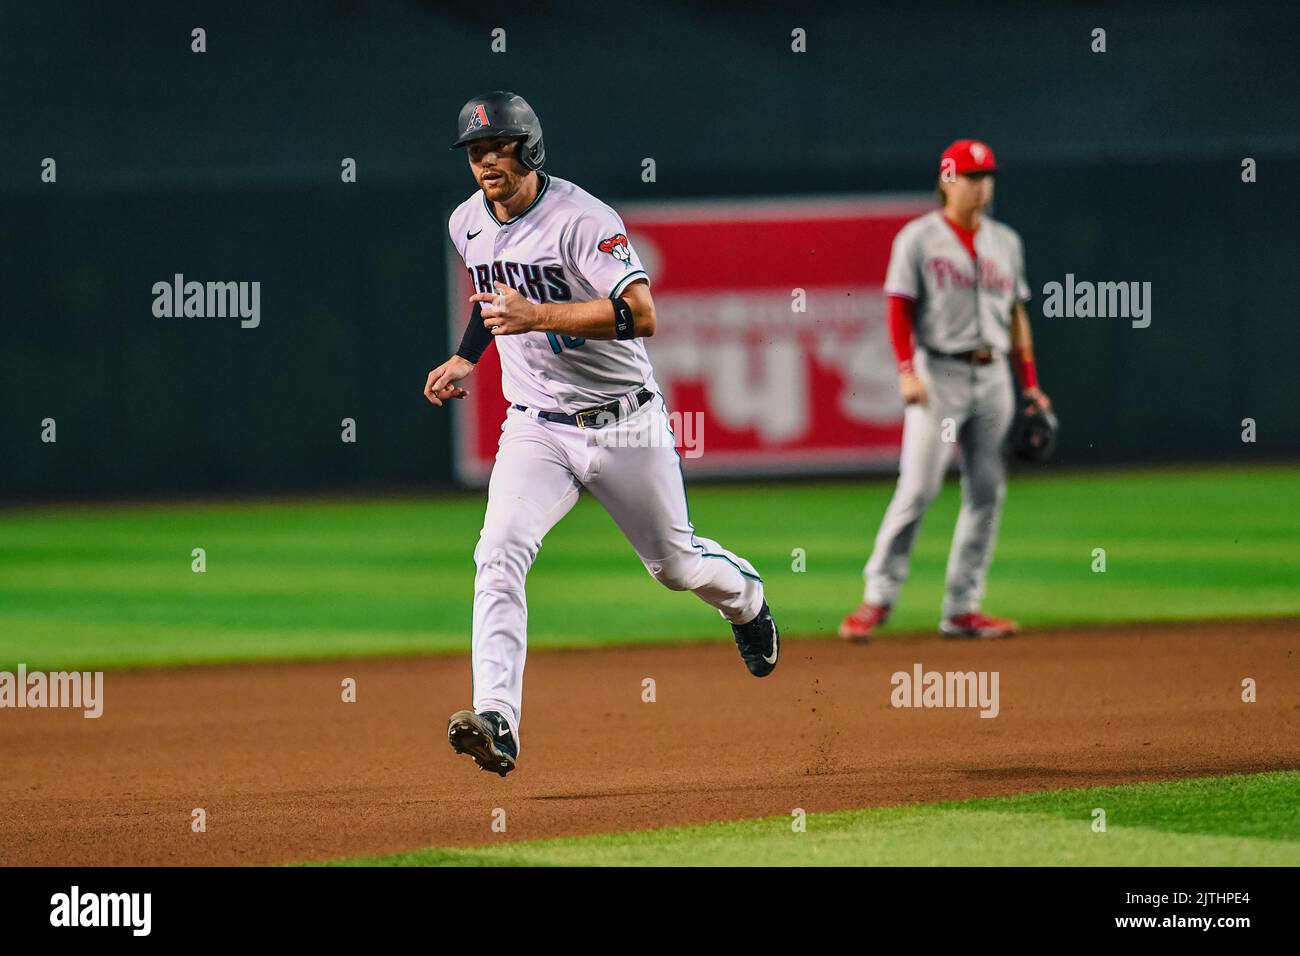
pixel 535 282
pixel 945 271
pixel 534 287
pixel 559 285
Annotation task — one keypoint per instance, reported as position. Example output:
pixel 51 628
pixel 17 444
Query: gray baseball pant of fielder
pixel 977 403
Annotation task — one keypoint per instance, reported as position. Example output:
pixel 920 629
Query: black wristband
pixel 476 338
pixel 624 325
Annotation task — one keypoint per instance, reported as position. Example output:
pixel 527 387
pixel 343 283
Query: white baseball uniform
pixel 961 305
pixel 568 246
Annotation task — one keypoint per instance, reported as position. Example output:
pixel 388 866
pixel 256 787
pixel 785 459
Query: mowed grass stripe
pixel 1242 820
pixel 104 586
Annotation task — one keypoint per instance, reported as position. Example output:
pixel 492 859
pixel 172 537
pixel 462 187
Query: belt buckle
pixel 590 418
pixel 594 417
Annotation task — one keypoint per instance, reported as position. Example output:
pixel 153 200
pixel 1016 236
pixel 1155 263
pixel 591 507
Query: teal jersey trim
pixel 627 280
pixel 546 184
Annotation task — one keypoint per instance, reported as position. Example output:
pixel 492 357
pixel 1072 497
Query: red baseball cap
pixel 968 156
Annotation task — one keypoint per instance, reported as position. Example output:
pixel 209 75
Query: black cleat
pixel 485 737
pixel 759 642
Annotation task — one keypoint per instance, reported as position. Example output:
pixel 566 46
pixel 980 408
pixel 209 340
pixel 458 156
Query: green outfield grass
pixel 1249 820
pixel 105 586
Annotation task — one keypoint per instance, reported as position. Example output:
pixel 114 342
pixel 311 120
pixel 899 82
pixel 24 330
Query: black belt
pixel 591 417
pixel 973 357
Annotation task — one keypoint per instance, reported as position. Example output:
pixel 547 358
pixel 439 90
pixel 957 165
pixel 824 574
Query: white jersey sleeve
pixel 903 276
pixel 596 247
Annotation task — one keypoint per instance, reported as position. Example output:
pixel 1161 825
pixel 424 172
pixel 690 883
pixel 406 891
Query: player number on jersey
pixel 569 342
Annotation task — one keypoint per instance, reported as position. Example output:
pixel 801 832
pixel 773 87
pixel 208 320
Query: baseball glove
pixel 1033 433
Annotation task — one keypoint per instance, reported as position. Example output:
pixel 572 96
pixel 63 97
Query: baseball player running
pixel 956 290
pixel 562 293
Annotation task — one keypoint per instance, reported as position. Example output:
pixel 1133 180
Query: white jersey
pixel 961 304
pixel 567 246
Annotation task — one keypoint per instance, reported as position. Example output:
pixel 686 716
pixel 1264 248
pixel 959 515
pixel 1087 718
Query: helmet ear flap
pixel 533 156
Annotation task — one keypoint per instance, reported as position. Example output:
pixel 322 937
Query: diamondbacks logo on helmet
pixel 479 119
pixel 978 151
pixel 616 246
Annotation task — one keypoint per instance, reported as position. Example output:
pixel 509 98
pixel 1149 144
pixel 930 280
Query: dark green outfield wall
pixel 1117 166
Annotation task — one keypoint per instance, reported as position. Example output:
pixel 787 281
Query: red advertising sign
pixel 771 346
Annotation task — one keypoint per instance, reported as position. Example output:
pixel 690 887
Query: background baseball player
pixel 561 291
pixel 956 289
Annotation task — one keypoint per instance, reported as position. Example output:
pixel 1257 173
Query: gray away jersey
pixel 568 246
pixel 958 308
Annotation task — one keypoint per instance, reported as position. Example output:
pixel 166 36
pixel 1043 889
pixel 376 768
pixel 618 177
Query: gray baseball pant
pixel 971 407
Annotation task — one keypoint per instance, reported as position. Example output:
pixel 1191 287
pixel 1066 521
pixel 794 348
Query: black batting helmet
pixel 503 114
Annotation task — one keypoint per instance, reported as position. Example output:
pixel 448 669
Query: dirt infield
pixel 286 771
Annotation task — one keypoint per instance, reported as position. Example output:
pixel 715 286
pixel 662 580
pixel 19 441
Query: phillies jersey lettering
pixel 961 303
pixel 568 246
pixel 945 271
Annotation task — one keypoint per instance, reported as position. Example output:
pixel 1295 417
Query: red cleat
pixel 976 625
pixel 857 627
